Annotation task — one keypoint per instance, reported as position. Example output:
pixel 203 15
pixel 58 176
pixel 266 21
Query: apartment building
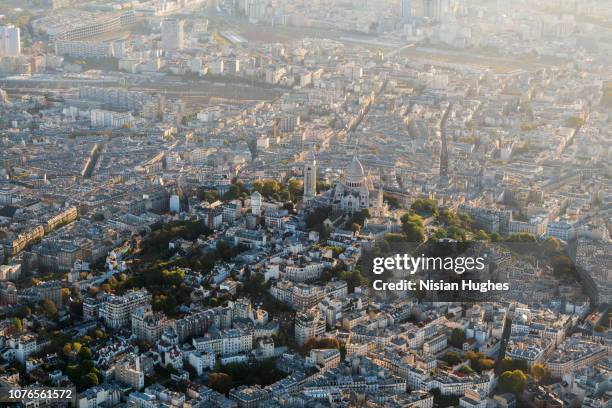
pixel 115 311
pixel 307 326
pixel 128 371
pixel 148 325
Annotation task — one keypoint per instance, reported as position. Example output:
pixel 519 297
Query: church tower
pixel 310 177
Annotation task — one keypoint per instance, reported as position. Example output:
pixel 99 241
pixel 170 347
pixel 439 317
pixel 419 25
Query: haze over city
pixel 204 203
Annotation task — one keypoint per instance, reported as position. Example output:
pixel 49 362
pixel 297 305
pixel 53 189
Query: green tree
pixel 67 349
pixel 232 193
pixel 562 265
pixel 296 189
pixel 209 196
pixel 465 370
pixel 220 382
pixel 438 234
pixel 353 279
pixel 18 323
pixel 174 277
pixel 73 372
pixel 99 334
pixel 391 200
pixel 539 372
pixel 425 208
pixel 23 311
pixel 258 186
pixel 271 187
pixel 392 238
pixel 457 338
pixel 521 237
pixel 316 217
pixel 513 381
pixel 48 306
pixel 412 227
pixel 85 354
pixel 485 364
pixel 481 236
pixel 89 380
pixel 65 294
pixel 322 186
pixel 507 364
pixel 451 358
pixel 479 362
pixel 551 246
pixel 256 285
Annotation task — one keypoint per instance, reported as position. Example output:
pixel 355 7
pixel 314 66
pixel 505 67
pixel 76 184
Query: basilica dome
pixel 354 173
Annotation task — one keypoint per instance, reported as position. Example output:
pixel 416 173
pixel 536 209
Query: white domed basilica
pixel 355 192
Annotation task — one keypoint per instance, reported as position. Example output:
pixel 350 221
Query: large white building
pixel 105 118
pixel 355 191
pixel 74 25
pixel 83 49
pixel 228 342
pixel 303 270
pixel 116 311
pixel 23 346
pixel 201 361
pixel 562 229
pixel 173 36
pixel 535 226
pixel 10 41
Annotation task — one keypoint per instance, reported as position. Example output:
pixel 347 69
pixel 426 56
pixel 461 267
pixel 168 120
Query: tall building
pixel 256 201
pixel 431 9
pixel 406 10
pixel 173 35
pixel 434 9
pixel 310 177
pixel 10 41
pixel 175 203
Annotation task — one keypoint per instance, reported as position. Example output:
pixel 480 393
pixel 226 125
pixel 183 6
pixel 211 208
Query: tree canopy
pixel 412 227
pixel 425 207
pixel 513 381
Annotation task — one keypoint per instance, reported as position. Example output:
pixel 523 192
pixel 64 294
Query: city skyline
pixel 208 203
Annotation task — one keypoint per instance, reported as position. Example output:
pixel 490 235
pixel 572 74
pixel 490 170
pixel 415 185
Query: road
pixel 502 347
pixel 444 147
